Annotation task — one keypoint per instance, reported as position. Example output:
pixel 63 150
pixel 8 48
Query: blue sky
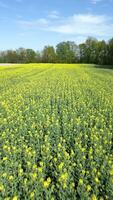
pixel 36 23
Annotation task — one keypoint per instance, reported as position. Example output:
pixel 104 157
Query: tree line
pixel 91 51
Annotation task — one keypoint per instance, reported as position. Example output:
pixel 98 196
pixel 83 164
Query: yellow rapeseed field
pixel 56 132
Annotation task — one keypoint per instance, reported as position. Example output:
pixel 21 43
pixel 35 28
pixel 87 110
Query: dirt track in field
pixel 7 64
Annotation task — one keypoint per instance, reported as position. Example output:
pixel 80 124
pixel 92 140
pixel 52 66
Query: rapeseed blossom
pixel 56 132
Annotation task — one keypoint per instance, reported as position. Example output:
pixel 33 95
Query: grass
pixel 56 129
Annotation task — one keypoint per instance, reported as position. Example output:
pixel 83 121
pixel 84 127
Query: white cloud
pixel 81 25
pixel 33 24
pixel 54 14
pixel 95 1
pixel 84 24
pixel 99 1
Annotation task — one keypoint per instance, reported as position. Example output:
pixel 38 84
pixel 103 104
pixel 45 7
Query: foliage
pixel 48 55
pixel 67 52
pixel 91 51
pixel 56 137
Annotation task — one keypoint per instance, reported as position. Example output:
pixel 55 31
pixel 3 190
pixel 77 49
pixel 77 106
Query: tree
pixel 21 52
pixel 3 57
pixel 38 57
pixel 67 52
pixel 11 56
pixel 110 51
pixel 26 55
pixel 30 56
pixel 83 53
pixel 48 54
pixel 102 52
pixel 89 51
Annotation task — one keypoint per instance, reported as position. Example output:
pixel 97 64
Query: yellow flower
pixel 58 155
pixel 47 183
pixel 40 169
pixel 55 159
pixel 5 147
pixel 4 174
pixel 25 181
pixel 15 198
pixel 63 177
pixel 94 170
pixel 20 172
pixel 81 181
pixel 52 198
pixel 28 163
pixel 5 158
pixel 64 185
pixel 49 179
pixel 84 157
pixel 61 166
pixel 72 153
pixel 59 145
pixel 66 154
pixel 34 166
pixel 88 188
pixel 72 185
pixel 14 148
pixel 41 164
pixel 93 197
pixel 83 149
pixel 97 180
pixel 110 162
pixel 83 172
pixel 32 195
pixel 2 188
pixel 111 172
pixel 11 178
pixel 34 176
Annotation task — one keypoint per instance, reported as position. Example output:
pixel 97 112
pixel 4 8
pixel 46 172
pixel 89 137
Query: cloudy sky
pixel 35 23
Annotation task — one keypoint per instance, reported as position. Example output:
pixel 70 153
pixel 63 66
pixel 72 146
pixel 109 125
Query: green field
pixel 56 132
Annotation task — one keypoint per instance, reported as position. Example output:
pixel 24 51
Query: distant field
pixel 56 132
